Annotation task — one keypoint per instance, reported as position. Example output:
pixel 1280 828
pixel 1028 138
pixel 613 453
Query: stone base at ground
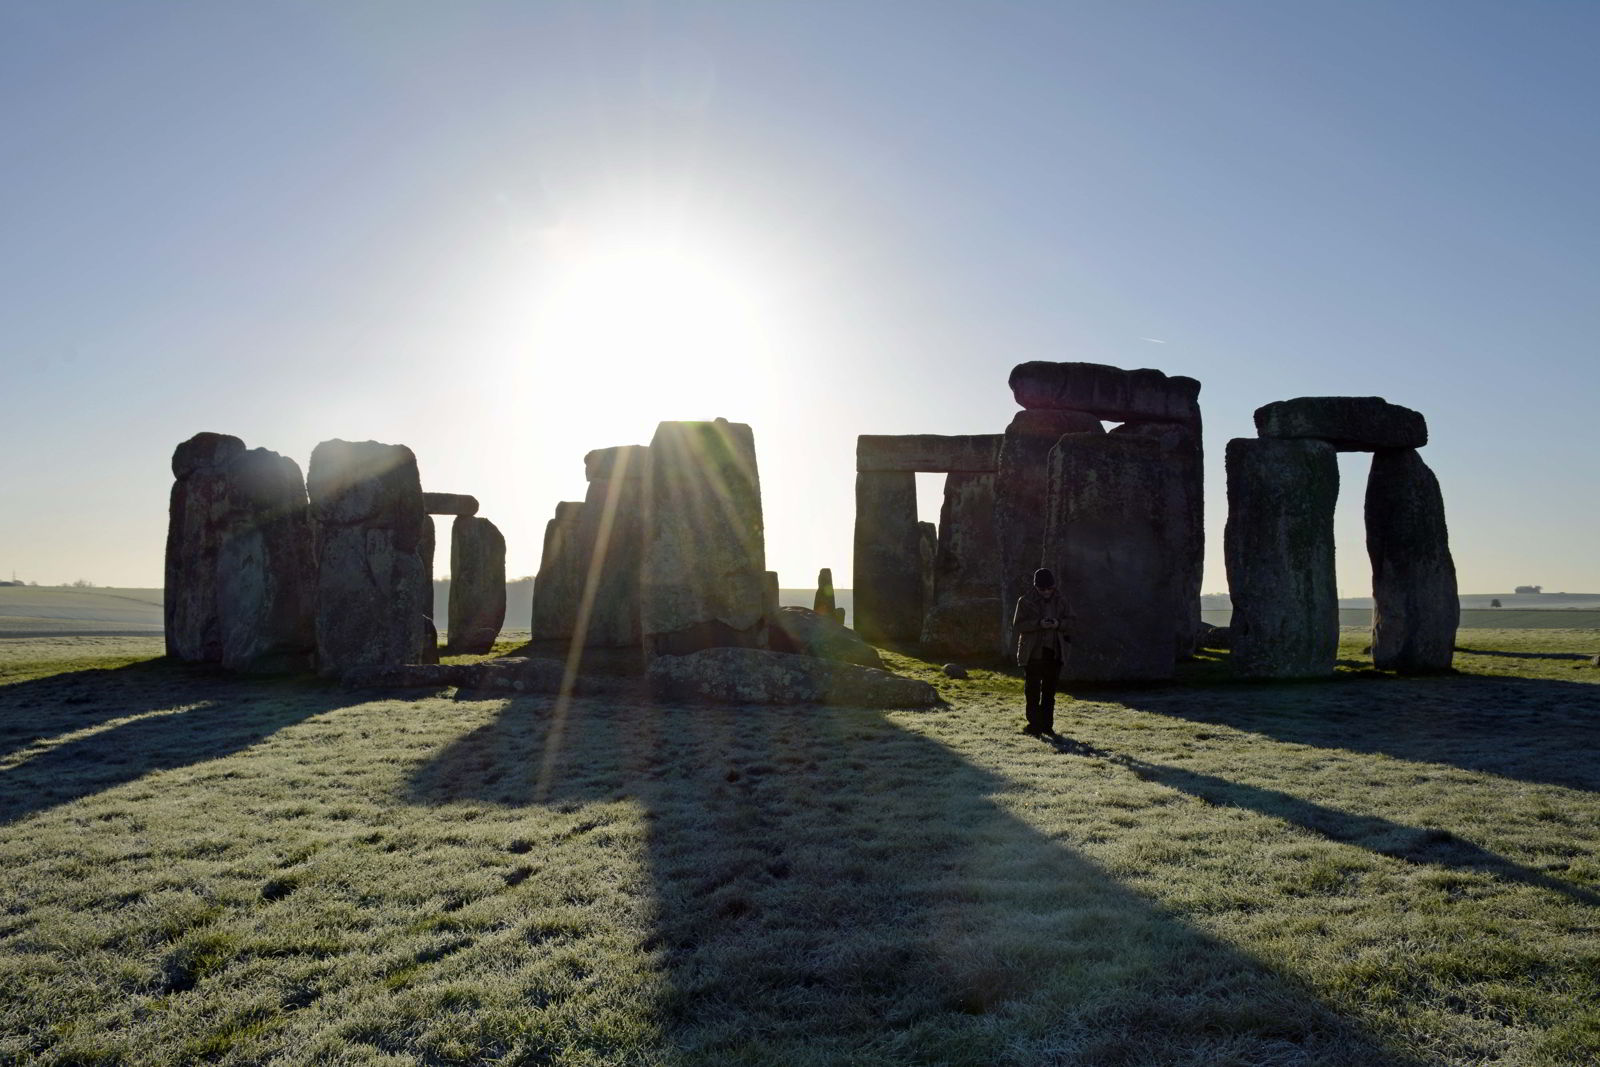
pixel 757 676
pixel 806 633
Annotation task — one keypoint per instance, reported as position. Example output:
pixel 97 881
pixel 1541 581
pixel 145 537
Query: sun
pixel 667 328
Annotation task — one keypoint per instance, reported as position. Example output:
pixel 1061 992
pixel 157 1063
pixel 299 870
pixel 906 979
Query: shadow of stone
pixel 63 739
pixel 1413 844
pixel 1534 730
pixel 1526 655
pixel 831 887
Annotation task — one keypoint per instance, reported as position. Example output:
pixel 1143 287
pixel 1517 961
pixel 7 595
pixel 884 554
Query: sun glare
pixel 670 331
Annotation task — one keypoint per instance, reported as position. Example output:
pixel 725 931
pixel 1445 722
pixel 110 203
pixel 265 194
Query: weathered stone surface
pixel 703 580
pixel 1214 636
pixel 927 553
pixel 427 546
pixel 963 617
pixel 838 616
pixel 888 558
pixel 1415 607
pixel 953 670
pixel 1109 393
pixel 1183 519
pixel 265 568
pixel 520 674
pixel 449 504
pixel 618 461
pixel 374 599
pixel 1279 549
pixel 558 587
pixel 477 584
pixel 1021 495
pixel 806 633
pixel 611 543
pixel 405 676
pixel 204 450
pixel 771 597
pixel 1105 539
pixel 196 517
pixel 928 452
pixel 823 602
pixel 757 676
pixel 1349 423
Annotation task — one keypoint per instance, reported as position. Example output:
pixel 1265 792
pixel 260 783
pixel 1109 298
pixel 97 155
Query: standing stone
pixel 558 587
pixel 1021 496
pixel 823 602
pixel 265 567
pixel 196 514
pixel 888 558
pixel 927 555
pixel 1415 608
pixel 703 581
pixel 1279 549
pixel 611 540
pixel 1183 519
pixel 374 600
pixel 477 584
pixel 963 617
pixel 771 598
pixel 1105 539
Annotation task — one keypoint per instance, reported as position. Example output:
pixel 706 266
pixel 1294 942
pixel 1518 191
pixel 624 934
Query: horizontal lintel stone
pixel 1349 423
pixel 928 453
pixel 1110 393
pixel 449 504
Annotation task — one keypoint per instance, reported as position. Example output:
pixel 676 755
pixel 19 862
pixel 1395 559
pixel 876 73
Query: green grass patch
pixel 1361 870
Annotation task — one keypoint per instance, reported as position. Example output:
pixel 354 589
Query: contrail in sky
pixel 1153 340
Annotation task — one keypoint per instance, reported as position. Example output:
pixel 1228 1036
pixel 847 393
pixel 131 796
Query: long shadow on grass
pixel 62 740
pixel 832 888
pixel 1535 730
pixel 1414 844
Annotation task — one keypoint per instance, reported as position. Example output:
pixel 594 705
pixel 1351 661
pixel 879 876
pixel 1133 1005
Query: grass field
pixel 1366 870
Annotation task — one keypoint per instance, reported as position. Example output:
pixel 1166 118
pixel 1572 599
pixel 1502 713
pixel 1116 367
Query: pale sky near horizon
pixel 505 234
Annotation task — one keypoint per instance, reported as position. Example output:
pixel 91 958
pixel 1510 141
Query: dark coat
pixel 1028 622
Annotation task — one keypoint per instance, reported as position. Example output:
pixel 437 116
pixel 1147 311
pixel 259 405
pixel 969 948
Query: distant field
pixel 32 611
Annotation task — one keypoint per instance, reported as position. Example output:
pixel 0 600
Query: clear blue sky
pixel 505 234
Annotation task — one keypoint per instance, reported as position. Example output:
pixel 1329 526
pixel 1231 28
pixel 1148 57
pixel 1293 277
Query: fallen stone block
pixel 757 676
pixel 807 633
pixel 404 676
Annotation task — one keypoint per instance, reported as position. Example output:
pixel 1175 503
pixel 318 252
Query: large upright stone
pixel 197 512
pixel 1415 607
pixel 558 587
pixel 374 599
pixel 823 602
pixel 887 587
pixel 963 617
pixel 1109 393
pixel 703 581
pixel 477 584
pixel 611 541
pixel 1183 520
pixel 928 453
pixel 1349 423
pixel 265 568
pixel 1279 548
pixel 1021 495
pixel 1105 539
pixel 927 554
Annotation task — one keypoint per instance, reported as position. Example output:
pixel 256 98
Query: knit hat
pixel 1043 579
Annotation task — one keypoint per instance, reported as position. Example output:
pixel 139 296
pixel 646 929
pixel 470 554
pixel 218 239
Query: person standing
pixel 1041 648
